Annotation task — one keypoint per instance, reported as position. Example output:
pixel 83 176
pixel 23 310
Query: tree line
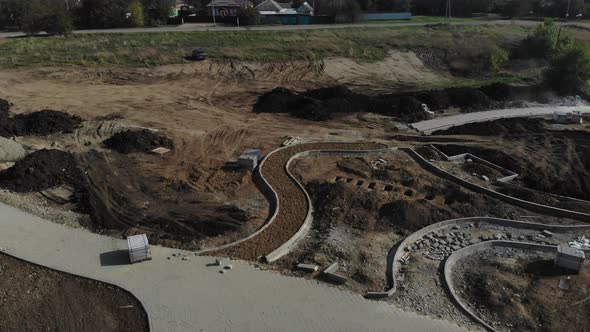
pixel 60 16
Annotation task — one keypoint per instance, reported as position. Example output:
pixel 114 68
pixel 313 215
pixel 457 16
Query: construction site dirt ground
pixel 206 110
pixel 520 290
pixel 35 298
pixel 363 205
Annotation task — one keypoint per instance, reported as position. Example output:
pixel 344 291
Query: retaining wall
pixel 462 253
pixel 545 209
pixel 271 196
pixel 396 252
pixel 509 175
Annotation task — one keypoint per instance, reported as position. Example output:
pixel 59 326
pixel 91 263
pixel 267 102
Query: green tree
pixel 97 14
pixel 33 17
pixel 546 41
pixel 136 11
pixel 157 11
pixel 569 71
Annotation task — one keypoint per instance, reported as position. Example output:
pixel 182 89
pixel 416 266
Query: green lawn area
pixel 150 49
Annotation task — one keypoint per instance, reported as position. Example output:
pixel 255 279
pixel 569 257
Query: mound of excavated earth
pixel 41 170
pixel 137 141
pixel 4 107
pixel 40 123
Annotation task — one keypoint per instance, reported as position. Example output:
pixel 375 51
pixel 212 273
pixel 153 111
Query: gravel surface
pixel 292 201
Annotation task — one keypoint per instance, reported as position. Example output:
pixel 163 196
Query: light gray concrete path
pixel 189 296
pixel 429 126
pixel 201 27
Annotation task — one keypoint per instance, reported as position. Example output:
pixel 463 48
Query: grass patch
pixel 428 19
pixel 151 49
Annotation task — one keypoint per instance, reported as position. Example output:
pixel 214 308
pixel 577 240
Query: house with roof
pixel 273 12
pixel 227 8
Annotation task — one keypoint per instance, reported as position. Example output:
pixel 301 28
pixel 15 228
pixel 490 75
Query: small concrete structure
pixel 249 159
pixel 139 248
pixel 248 162
pixel 569 258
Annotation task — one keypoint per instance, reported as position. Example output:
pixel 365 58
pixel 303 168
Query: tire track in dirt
pixel 293 206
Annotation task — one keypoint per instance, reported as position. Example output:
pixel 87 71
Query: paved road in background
pixel 190 296
pixel 429 126
pixel 201 27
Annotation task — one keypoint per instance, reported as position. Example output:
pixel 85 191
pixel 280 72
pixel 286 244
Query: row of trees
pixel 60 16
pixel 464 8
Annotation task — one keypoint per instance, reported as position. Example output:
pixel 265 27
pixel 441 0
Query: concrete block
pixel 248 161
pixel 307 267
pixel 332 268
pixel 569 258
pixel 335 278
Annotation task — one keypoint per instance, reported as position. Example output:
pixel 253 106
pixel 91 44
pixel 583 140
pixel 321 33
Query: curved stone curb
pixel 464 252
pixel 269 193
pixel 545 209
pixel 110 283
pixel 273 198
pixel 396 252
pixel 306 226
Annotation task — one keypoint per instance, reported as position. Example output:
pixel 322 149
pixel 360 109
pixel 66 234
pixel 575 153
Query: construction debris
pixel 161 150
pixel 291 140
pixel 580 243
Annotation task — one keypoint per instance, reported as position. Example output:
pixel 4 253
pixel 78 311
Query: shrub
pixel 498 59
pixel 57 21
pixel 569 71
pixel 248 16
pixel 136 11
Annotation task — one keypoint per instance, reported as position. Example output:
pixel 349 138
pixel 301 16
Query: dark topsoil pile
pixel 499 127
pixel 39 123
pixel 322 104
pixel 4 107
pixel 41 170
pixel 123 195
pixel 143 140
pixel 553 161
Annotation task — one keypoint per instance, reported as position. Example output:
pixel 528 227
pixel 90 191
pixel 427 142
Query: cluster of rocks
pixel 440 244
pixel 183 257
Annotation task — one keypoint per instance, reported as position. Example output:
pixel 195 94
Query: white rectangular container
pixel 139 248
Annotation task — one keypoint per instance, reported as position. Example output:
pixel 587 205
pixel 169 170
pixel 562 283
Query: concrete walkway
pixel 189 296
pixel 429 126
